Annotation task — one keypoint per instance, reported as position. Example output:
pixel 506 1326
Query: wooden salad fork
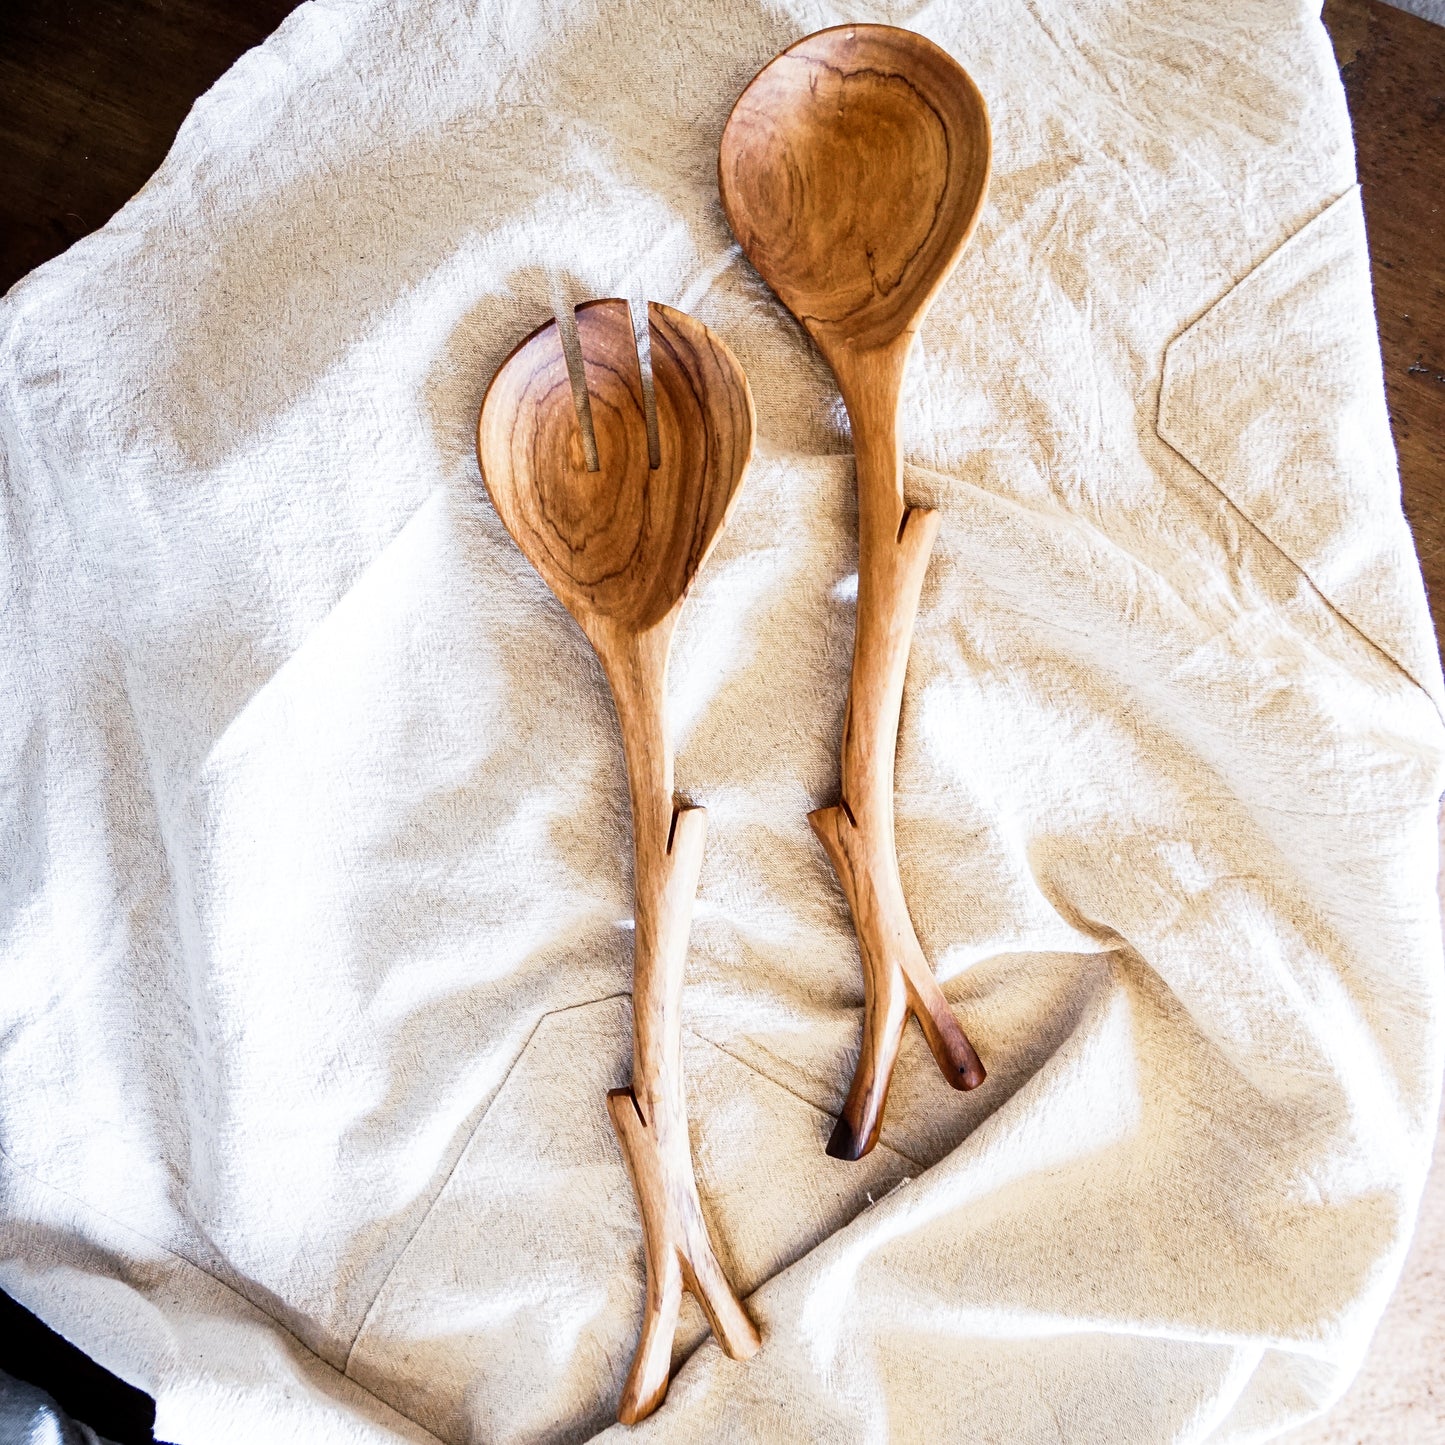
pixel 619 546
pixel 852 171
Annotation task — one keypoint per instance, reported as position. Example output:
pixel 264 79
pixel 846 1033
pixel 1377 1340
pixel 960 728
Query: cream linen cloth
pixel 316 873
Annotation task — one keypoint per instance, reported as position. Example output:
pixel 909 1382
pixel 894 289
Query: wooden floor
pixel 91 93
pixel 1393 65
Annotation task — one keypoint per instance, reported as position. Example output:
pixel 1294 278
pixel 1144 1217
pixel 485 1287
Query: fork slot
pixel 608 345
pixel 576 374
pixel 642 335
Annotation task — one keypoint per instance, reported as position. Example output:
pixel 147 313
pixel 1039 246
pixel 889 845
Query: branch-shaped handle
pixel 650 1118
pixel 651 1123
pixel 894 545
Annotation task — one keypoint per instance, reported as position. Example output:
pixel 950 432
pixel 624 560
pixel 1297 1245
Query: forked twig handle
pixel 894 545
pixel 650 1117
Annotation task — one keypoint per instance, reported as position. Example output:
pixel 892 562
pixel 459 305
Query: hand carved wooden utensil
pixel 852 170
pixel 619 546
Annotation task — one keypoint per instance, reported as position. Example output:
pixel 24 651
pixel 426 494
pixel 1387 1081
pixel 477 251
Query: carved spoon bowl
pixel 852 171
pixel 618 545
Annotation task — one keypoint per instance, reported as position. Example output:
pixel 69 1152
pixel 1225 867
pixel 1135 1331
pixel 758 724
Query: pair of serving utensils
pixel 852 171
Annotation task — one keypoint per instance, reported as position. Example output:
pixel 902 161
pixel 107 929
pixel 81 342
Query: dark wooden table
pixel 1393 66
pixel 92 91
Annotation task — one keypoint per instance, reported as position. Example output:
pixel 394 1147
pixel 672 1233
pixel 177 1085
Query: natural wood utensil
pixel 619 546
pixel 852 170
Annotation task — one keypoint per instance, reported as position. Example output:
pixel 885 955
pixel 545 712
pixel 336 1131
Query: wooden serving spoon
pixel 619 546
pixel 852 170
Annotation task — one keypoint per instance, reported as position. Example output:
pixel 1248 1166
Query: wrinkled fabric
pixel 316 898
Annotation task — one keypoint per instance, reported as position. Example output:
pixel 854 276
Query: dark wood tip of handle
pixel 845 1143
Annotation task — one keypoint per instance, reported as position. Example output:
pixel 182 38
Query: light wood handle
pixel 894 545
pixel 650 1118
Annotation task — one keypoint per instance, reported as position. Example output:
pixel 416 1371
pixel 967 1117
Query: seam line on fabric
pixel 1254 270
pixel 1304 572
pixel 801 1098
pixel 457 1162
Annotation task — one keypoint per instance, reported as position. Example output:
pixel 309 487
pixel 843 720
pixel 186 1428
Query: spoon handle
pixel 650 1117
pixel 894 544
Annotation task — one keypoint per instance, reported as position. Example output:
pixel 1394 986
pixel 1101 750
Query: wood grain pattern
pixel 620 546
pixel 852 172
